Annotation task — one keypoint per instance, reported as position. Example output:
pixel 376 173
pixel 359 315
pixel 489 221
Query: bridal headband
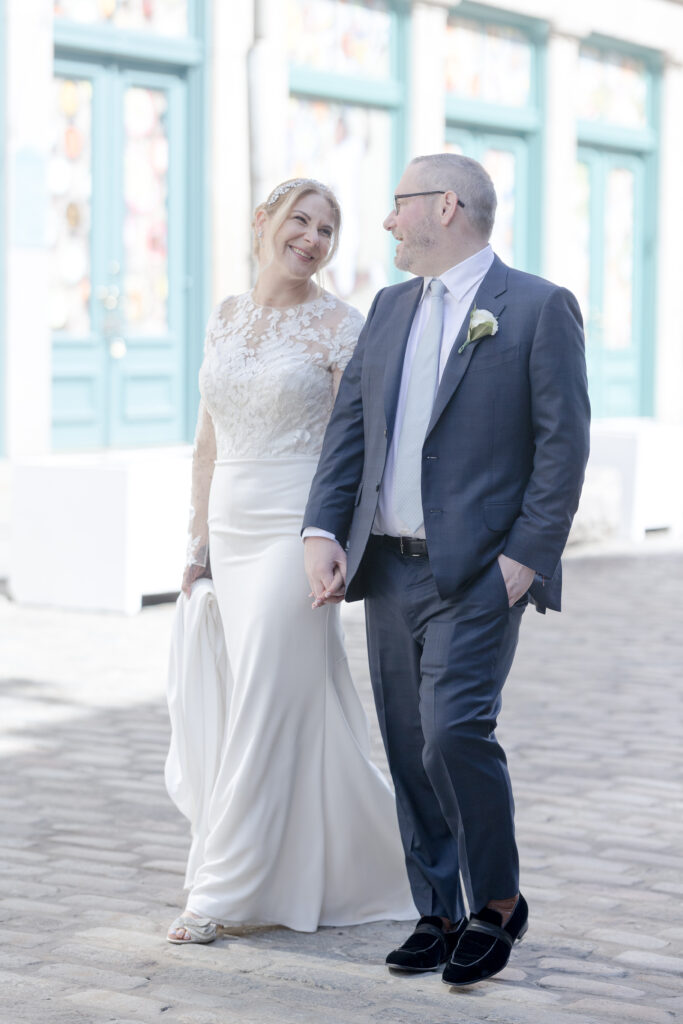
pixel 282 189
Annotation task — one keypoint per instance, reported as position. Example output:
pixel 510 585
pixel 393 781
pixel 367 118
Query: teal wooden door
pixel 505 157
pixel 611 261
pixel 117 242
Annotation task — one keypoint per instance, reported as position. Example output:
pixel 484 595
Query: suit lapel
pixel 491 296
pixel 397 331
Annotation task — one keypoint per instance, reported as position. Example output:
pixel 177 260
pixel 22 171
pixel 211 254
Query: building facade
pixel 138 135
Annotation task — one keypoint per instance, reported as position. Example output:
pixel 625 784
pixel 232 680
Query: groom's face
pixel 414 223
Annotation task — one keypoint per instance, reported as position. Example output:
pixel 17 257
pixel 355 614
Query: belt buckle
pixel 405 546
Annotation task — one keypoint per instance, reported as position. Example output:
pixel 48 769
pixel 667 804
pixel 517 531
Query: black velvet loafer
pixel 484 946
pixel 427 948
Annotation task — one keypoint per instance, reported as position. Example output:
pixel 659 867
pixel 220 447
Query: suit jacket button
pixel 385 432
pixel 376 487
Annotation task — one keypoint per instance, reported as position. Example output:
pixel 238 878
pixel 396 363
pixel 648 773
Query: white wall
pixel 428 96
pixel 27 381
pixel 231 39
pixel 28 49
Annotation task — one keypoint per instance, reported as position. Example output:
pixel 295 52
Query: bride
pixel 293 824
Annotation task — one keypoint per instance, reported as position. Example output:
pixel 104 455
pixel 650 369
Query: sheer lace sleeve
pixel 345 342
pixel 269 378
pixel 203 459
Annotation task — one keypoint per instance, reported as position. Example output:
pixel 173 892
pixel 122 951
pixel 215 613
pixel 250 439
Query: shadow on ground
pixel 92 851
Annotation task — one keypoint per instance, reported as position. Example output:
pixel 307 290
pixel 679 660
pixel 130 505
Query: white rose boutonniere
pixel 482 324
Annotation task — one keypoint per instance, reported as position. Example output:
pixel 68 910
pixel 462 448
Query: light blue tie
pixel 424 378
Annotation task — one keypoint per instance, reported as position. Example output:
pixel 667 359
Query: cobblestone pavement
pixel 92 851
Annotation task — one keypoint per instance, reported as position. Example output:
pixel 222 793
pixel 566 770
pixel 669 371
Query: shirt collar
pixel 461 278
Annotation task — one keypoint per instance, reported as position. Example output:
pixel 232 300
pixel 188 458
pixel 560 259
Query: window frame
pixel 525 124
pixel 391 95
pixel 601 136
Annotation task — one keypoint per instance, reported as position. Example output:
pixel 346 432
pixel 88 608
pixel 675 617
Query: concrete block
pixel 652 961
pixel 642 1013
pixel 582 983
pixel 643 457
pixel 99 531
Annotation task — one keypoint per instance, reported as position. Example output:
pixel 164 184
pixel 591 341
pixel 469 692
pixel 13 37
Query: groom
pixel 449 476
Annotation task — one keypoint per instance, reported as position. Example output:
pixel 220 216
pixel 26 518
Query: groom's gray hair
pixel 468 179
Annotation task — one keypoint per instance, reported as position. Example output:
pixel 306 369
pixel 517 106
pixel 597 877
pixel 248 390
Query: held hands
pixel 325 564
pixel 518 578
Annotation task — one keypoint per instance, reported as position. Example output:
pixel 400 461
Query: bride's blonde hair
pixel 282 200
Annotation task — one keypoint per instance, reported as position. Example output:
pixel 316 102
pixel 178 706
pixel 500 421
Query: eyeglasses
pixel 411 195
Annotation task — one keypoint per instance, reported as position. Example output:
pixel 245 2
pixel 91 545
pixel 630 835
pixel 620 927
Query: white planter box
pixel 647 458
pixel 99 531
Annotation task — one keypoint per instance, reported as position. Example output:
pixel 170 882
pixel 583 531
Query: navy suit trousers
pixel 438 668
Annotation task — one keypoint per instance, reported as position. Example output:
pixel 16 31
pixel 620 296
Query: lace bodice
pixel 267 383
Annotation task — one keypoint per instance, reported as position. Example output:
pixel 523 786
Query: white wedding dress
pixel 293 824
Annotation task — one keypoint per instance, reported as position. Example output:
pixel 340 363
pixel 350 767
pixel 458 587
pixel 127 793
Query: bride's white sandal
pixel 198 929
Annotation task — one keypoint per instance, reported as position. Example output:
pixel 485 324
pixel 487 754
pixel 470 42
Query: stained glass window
pixel 349 148
pixel 145 227
pixel 502 166
pixel 578 244
pixel 70 189
pixel 613 88
pixel 344 37
pixel 619 253
pixel 167 17
pixel 488 62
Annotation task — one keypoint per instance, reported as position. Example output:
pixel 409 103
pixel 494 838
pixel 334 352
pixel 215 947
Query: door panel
pixel 79 396
pixel 609 261
pixel 146 377
pixel 505 157
pixel 118 251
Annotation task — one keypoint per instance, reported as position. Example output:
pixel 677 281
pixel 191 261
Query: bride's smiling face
pixel 301 243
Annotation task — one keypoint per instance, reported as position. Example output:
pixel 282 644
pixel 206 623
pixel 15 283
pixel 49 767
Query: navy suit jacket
pixel 506 447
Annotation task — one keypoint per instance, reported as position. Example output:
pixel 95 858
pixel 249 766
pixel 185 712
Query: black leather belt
pixel 413 546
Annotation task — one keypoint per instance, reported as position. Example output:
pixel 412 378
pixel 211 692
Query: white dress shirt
pixel 462 282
